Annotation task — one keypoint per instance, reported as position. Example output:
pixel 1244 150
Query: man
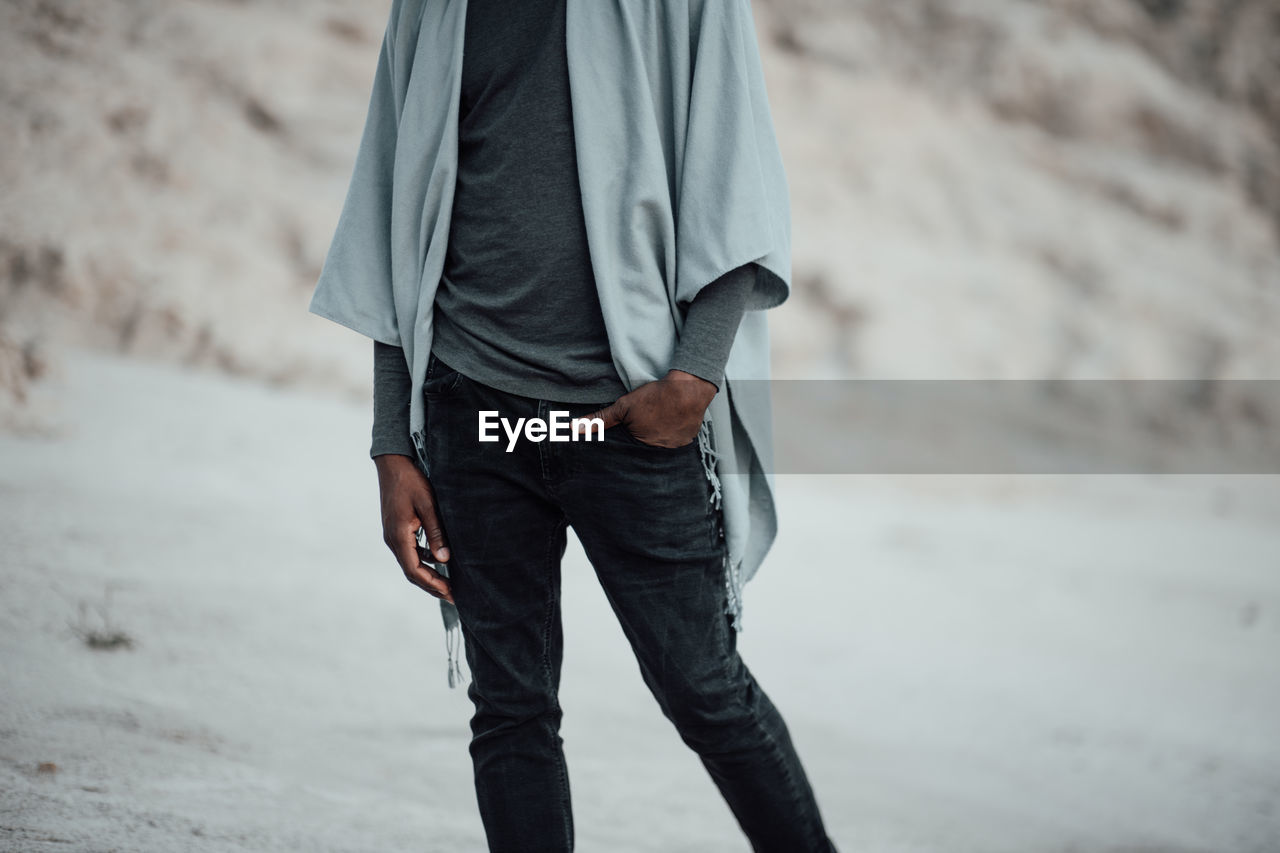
pixel 520 327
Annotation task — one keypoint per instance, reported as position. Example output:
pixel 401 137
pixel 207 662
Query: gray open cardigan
pixel 682 180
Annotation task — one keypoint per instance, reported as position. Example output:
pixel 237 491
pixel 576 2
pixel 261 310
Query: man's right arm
pixel 407 500
pixel 392 386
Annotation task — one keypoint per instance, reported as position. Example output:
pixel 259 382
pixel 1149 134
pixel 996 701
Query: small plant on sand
pixel 100 633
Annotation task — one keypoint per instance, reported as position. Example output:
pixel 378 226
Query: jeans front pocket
pixel 657 448
pixel 441 379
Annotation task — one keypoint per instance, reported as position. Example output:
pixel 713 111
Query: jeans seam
pixel 552 601
pixel 776 750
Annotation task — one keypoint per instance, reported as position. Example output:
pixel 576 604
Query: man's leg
pixel 646 521
pixel 506 541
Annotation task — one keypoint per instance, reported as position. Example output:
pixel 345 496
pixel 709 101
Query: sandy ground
pixel 982 664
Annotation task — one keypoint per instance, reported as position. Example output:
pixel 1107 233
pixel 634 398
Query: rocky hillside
pixel 981 188
pixel 1051 189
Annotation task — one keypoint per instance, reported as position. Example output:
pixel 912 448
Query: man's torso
pixel 517 306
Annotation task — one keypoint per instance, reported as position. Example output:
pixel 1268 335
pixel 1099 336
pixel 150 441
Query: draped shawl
pixel 681 180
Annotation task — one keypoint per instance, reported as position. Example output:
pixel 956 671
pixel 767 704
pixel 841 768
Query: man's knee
pixel 718 714
pixel 708 710
pixel 512 713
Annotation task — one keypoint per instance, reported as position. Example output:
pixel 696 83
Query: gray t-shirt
pixel 516 306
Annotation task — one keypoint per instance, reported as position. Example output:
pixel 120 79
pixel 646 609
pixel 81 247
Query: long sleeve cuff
pixel 392 387
pixel 712 323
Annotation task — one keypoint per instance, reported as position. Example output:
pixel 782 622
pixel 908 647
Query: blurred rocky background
pixel 981 188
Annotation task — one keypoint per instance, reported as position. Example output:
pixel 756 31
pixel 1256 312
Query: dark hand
pixel 666 412
pixel 407 504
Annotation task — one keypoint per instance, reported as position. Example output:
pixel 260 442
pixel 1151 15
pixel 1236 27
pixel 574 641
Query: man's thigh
pixel 647 522
pixel 505 537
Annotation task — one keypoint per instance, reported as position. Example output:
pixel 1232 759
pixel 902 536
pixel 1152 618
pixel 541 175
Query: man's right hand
pixel 407 504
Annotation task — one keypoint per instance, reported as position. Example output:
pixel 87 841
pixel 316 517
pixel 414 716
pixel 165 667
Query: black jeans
pixel 646 520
